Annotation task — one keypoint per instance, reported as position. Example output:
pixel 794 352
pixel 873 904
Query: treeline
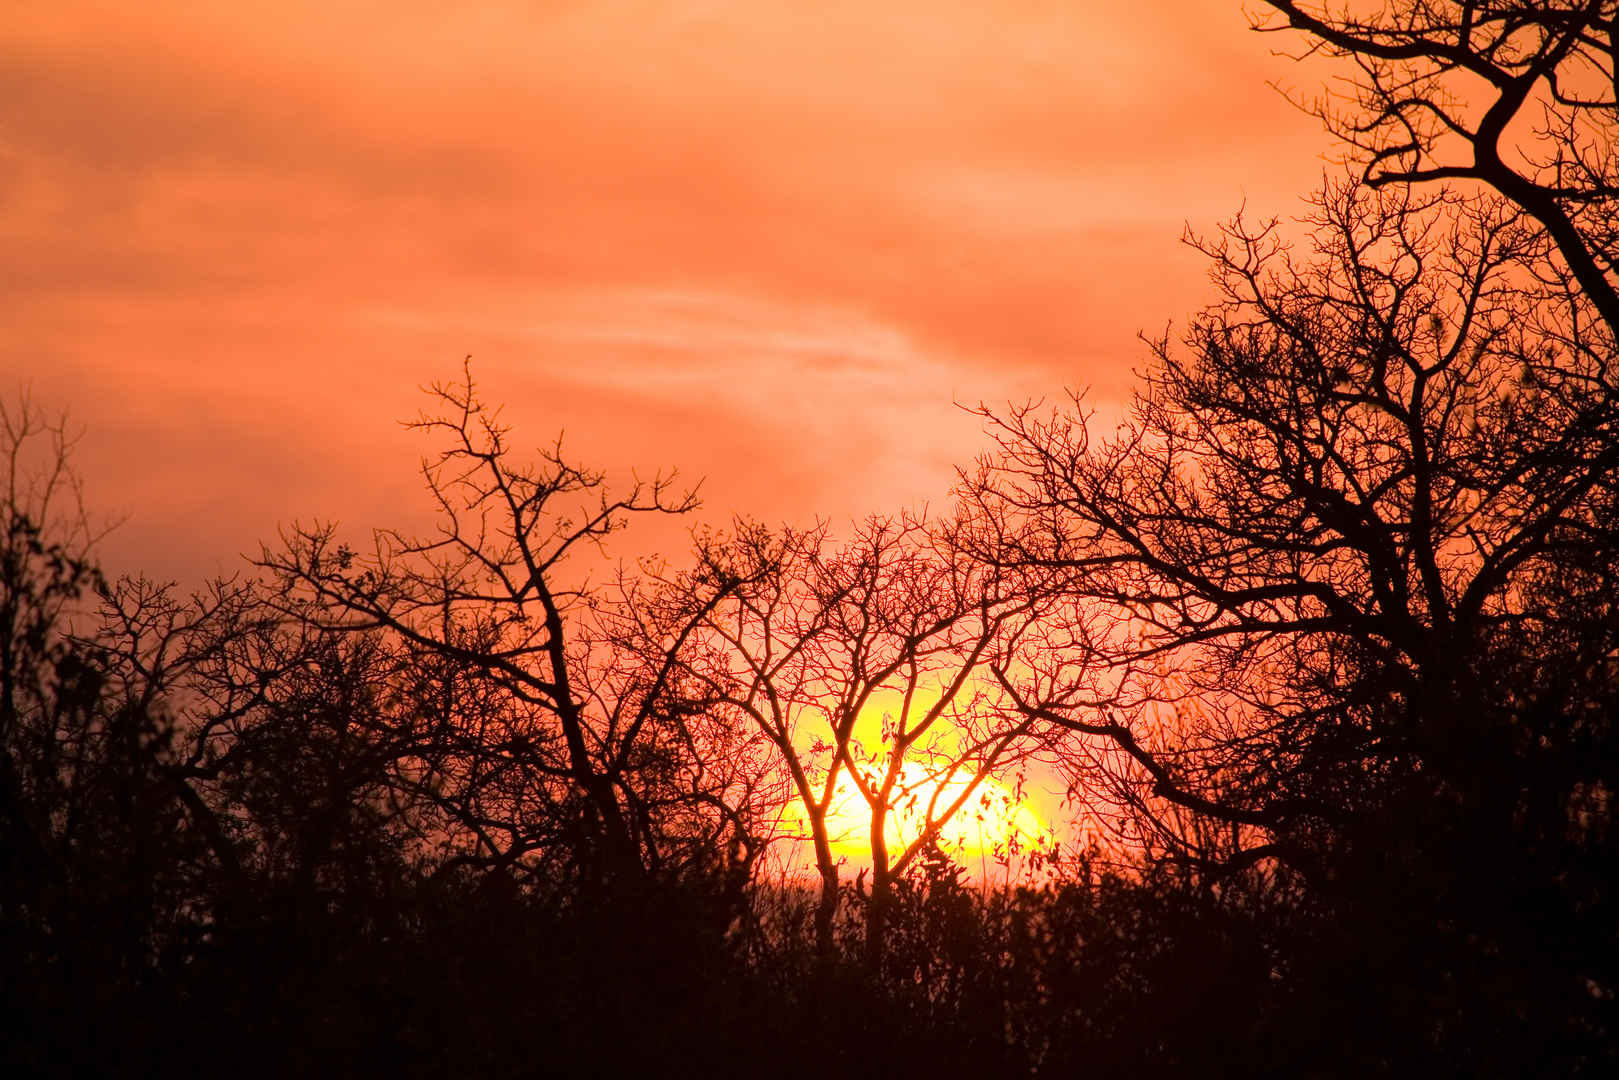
pixel 1323 638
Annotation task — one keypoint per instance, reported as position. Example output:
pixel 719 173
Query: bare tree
pixel 708 798
pixel 549 747
pixel 1322 509
pixel 866 667
pixel 1340 618
pixel 48 692
pixel 1520 96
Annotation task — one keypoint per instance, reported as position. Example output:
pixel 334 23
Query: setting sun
pixel 989 837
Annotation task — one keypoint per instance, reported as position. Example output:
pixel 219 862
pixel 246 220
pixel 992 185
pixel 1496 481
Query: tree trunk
pixel 881 893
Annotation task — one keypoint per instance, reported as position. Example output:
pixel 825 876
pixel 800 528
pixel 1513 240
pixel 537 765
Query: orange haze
pixel 769 242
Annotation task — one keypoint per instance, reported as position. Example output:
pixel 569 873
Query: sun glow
pixel 991 836
pixel 987 809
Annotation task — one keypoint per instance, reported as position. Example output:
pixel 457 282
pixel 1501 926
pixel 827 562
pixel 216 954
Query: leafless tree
pixel 1518 96
pixel 866 667
pixel 48 693
pixel 1291 562
pixel 549 746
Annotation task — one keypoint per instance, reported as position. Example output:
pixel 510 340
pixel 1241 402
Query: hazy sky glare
pixel 768 242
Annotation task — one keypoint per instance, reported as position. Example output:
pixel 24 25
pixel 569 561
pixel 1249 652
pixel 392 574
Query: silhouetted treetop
pixel 1324 505
pixel 571 734
pixel 1521 96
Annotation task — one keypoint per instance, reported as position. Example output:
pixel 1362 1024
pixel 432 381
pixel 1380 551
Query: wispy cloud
pixel 771 240
pixel 862 399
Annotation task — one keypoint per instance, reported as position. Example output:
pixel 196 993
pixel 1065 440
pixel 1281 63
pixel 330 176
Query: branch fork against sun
pixel 864 665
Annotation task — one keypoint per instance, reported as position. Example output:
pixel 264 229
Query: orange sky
pixel 767 241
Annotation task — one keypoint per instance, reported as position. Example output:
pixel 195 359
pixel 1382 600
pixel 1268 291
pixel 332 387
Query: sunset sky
pixel 771 243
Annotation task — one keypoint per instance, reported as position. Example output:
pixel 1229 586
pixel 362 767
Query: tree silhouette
pixel 45 687
pixel 864 666
pixel 1519 96
pixel 559 746
pixel 1325 635
pixel 1307 576
pixel 97 867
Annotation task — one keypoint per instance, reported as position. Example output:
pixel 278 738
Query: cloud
pixel 824 381
pixel 768 238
